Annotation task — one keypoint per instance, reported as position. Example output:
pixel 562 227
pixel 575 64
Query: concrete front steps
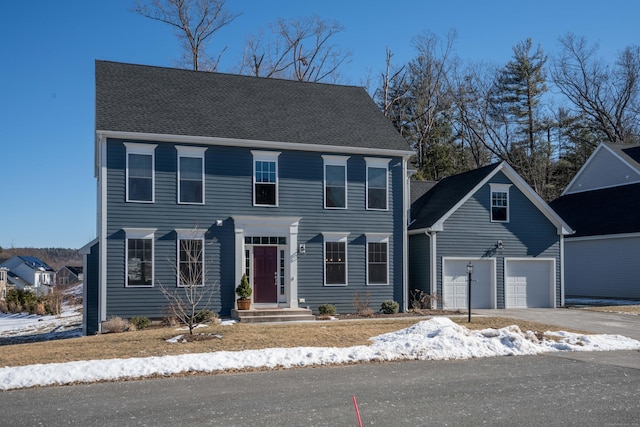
pixel 261 315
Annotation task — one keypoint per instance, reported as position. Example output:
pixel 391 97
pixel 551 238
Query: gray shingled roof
pixel 437 201
pixel 156 100
pixel 601 212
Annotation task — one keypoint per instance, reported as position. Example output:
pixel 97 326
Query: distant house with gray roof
pixel 300 186
pixel 602 204
pixel 29 273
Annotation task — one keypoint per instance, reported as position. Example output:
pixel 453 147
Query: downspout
pixel 102 231
pixel 561 272
pixel 405 238
pixel 433 268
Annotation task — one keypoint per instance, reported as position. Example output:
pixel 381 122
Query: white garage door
pixel 455 284
pixel 529 283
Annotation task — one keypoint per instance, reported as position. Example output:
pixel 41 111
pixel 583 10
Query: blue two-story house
pixel 301 186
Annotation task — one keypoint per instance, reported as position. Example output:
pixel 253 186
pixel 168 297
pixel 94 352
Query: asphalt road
pixel 581 389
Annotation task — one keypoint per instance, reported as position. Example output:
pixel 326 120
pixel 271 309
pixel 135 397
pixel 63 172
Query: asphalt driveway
pixel 595 322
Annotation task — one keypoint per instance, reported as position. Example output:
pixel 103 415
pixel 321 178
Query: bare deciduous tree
pixel 195 22
pixel 607 95
pixel 191 294
pixel 297 49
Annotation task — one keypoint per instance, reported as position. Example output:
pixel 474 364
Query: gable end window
pixel 335 182
pixel 335 259
pixel 377 183
pixel 500 202
pixel 139 247
pixel 265 178
pixel 140 172
pixel 191 174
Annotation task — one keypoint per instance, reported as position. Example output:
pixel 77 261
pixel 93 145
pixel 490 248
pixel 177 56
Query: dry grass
pixel 630 309
pixel 152 342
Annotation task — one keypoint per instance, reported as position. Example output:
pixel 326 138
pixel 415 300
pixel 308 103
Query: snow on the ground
pixel 24 326
pixel 435 339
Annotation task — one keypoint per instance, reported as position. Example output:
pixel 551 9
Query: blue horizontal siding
pixel 229 192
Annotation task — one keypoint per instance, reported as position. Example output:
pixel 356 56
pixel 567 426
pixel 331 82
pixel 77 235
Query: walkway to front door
pixel 265 273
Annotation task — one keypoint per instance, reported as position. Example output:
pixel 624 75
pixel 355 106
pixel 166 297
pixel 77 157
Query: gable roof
pixel 149 102
pixel 625 171
pixel 606 211
pixel 432 209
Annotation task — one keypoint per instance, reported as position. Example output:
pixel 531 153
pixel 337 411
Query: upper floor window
pixel 377 259
pixel 265 178
pixel 139 246
pixel 140 172
pixel 190 257
pixel 500 202
pixel 377 183
pixel 191 174
pixel 335 259
pixel 335 182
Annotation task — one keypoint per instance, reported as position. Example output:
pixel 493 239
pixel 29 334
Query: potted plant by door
pixel 244 294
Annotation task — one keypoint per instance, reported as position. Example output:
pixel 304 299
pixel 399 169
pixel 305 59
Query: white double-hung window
pixel 335 259
pixel 335 182
pixel 377 183
pixel 140 172
pixel 191 174
pixel 139 247
pixel 265 178
pixel 500 202
pixel 377 259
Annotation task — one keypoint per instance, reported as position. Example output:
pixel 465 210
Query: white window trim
pixel 332 237
pixel 139 233
pixel 193 152
pixel 335 161
pixel 147 150
pixel 377 238
pixel 265 156
pixel 499 188
pixel 377 162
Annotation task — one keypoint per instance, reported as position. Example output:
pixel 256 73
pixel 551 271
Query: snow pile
pixel 435 339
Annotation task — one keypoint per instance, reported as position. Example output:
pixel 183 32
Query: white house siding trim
pixel 248 143
pixel 248 225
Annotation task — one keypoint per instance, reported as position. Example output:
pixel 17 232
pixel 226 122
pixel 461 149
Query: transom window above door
pixel 265 240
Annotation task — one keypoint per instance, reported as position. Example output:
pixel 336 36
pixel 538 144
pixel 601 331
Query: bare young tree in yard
pixel 195 23
pixel 300 49
pixel 192 294
pixel 606 95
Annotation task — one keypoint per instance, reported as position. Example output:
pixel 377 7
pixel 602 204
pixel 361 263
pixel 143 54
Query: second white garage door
pixel 529 283
pixel 455 284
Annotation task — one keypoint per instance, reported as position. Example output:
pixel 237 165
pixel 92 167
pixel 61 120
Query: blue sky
pixel 48 49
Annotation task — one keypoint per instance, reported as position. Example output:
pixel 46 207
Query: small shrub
pixel 39 309
pixel 327 309
pixel 421 300
pixel 389 307
pixel 362 302
pixel 3 307
pixel 14 307
pixel 115 325
pixel 140 322
pixel 205 316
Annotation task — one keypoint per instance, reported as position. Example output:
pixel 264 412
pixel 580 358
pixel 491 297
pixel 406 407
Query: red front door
pixel 265 267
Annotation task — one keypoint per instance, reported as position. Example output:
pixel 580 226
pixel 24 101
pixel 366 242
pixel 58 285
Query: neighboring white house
pixel 602 205
pixel 36 276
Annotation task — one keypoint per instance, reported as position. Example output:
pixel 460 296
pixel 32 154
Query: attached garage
pixel 529 283
pixel 455 278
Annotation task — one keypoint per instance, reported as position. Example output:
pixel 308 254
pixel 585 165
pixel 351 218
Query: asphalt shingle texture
pixel 156 100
